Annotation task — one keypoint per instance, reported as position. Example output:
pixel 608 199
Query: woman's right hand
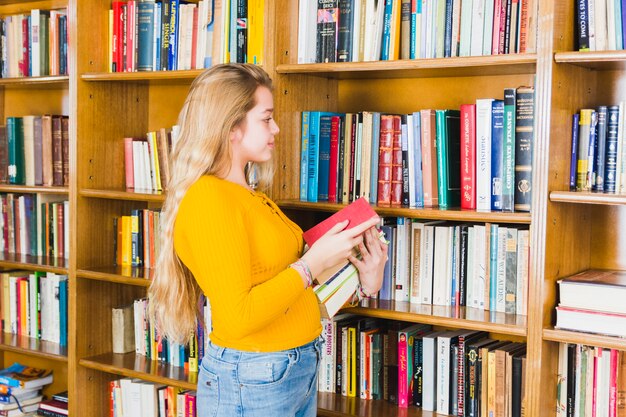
pixel 336 245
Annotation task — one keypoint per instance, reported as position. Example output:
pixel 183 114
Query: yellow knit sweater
pixel 238 245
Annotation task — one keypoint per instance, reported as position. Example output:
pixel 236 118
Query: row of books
pixel 34 150
pixel 591 381
pixel 484 266
pixel 34 304
pixel 477 158
pixel 35 224
pixel 166 35
pixel 146 160
pixel 600 25
pixel 137 240
pixel 148 343
pixel 57 406
pixel 592 301
pixel 457 372
pixel 241 31
pixel 134 397
pixel 370 30
pixel 20 389
pixel 598 159
pixel 34 44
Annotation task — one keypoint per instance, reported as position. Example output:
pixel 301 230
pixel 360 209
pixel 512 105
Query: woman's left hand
pixel 371 266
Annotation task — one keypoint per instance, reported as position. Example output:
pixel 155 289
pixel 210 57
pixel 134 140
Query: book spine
pixel 396 164
pixel 304 156
pixel 524 138
pixel 333 165
pixel 582 19
pixel 173 35
pixel 145 35
pixel 584 132
pixel 314 156
pixel 242 31
pixel 327 28
pixel 468 156
pixel 323 170
pixel 483 154
pixel 442 160
pixel 600 151
pixel 612 139
pixel 574 153
pixel 385 160
pixel 405 161
pixel 344 36
pixel 508 164
pixel 497 153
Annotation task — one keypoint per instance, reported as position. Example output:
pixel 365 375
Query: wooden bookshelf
pixel 132 365
pixel 595 60
pixel 51 81
pixel 149 76
pixel 120 274
pixel 567 336
pixel 26 189
pixel 129 195
pixel 587 198
pixel 34 263
pixel 455 317
pixel 33 347
pixel 332 405
pixel 453 214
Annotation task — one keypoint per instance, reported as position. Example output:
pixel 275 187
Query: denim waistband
pixel 220 352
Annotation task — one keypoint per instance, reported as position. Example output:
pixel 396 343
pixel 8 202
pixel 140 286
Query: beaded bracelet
pixel 360 292
pixel 301 265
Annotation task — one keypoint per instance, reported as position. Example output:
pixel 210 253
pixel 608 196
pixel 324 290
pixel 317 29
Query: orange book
pixel 429 158
pixel 385 159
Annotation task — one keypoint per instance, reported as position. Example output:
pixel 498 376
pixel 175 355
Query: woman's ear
pixel 236 134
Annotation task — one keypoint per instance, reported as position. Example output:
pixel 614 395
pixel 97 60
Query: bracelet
pixel 360 292
pixel 301 265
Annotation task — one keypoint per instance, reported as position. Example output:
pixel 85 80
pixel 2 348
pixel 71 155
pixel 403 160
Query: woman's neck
pixel 238 177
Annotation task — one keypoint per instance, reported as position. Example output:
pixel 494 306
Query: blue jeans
pixel 235 383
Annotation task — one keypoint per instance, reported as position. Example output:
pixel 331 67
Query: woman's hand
pixel 336 245
pixel 371 266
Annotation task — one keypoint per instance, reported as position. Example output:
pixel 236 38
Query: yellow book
pixel 491 383
pixel 154 155
pixel 6 311
pixel 584 129
pixel 225 53
pixel 394 39
pixel 126 240
pixel 352 381
pixel 256 20
pixel 193 353
pixel 110 41
pixel 23 303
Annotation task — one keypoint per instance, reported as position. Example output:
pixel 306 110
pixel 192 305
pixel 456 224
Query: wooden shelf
pixel 33 347
pixel 121 274
pixel 425 68
pixel 334 405
pixel 48 81
pixel 568 336
pixel 138 366
pixel 19 6
pixel 457 317
pixel 130 195
pixel 587 198
pixel 597 60
pixel 422 213
pixel 27 189
pixel 34 263
pixel 152 77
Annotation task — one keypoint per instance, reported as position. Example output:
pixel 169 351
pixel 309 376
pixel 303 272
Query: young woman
pixel 232 243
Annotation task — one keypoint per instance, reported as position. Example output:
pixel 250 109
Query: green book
pixel 448 143
pixel 15 143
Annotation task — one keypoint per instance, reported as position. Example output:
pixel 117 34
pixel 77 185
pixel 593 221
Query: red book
pixel 523 27
pixel 333 159
pixel 396 163
pixel 468 156
pixel 429 158
pixel 25 61
pixel 118 41
pixel 385 158
pixel 613 383
pixel 194 40
pixel 356 212
pixel 128 162
pixel 495 40
pixel 130 35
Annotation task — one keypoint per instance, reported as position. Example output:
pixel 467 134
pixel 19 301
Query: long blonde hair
pixel 217 103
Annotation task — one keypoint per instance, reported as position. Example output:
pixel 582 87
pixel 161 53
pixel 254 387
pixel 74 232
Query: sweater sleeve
pixel 212 239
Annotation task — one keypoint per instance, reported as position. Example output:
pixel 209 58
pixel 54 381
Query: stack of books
pixel 593 301
pixel 22 384
pixel 57 406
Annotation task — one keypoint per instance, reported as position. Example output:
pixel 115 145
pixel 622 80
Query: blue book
pixel 173 38
pixel 600 151
pixel 208 58
pixel 63 311
pixel 304 156
pixel 619 44
pixel 374 157
pixel 314 155
pixel 325 123
pixel 493 267
pixel 610 170
pixel 590 152
pixel 574 154
pixel 447 40
pixel 417 160
pixel 386 42
pixel 157 35
pixel 145 35
pixel 415 16
pixel 497 142
pixel 387 291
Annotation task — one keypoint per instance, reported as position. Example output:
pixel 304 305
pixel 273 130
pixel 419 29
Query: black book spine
pixel 418 377
pixel 463 267
pixel 344 37
pixel 610 162
pixel 582 13
pixel 516 395
pixel 327 26
pixel 571 379
pixel 524 138
pixel 600 151
pixel 242 30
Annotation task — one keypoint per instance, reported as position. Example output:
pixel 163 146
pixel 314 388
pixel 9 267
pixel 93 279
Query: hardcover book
pixel 27 377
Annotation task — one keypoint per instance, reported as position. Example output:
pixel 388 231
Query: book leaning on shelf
pixel 337 284
pixel 593 301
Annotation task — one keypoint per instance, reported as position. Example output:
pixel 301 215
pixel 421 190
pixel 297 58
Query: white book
pixel 366 154
pixel 501 271
pixel 13 303
pixel 478 22
pixel 444 341
pixel 488 27
pixel 601 25
pixel 125 384
pixel 307 31
pixel 480 267
pixel 591 28
pixel 149 399
pixel 326 372
pixel 427 263
pixel 418 28
pixel 35 61
pixel 610 26
pixel 430 29
pixel 33 304
pixel 424 27
pixel 149 179
pixel 429 371
pixel 442 259
pixel 402 250
pixel 29 149
pixel 417 237
pixel 466 28
pixel 21 207
pixel 561 383
pixel 469 274
pixel 370 28
pixel 577 380
pixel 410 136
pixel 378 34
pixel 523 248
pixel 440 25
pixel 203 17
pixel 483 154
pixel 456 27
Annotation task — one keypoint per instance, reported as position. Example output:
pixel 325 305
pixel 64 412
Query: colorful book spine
pixel 497 153
pixel 448 157
pixel 600 150
pixel 304 156
pixel 574 153
pixel 508 157
pixel 524 143
pixel 612 138
pixel 468 156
